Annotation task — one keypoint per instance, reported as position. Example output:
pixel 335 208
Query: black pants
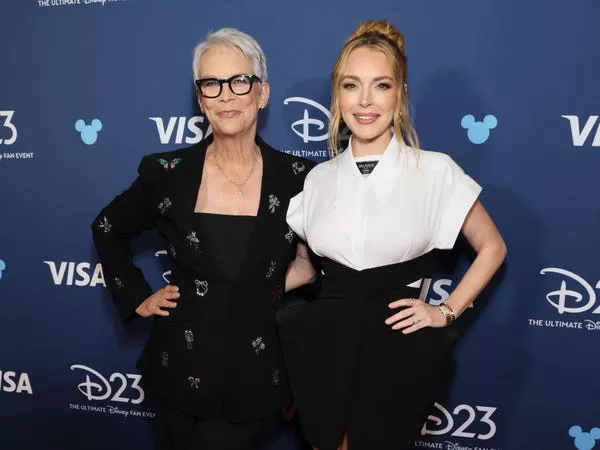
pixel 179 431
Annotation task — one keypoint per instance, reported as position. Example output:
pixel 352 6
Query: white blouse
pixel 398 212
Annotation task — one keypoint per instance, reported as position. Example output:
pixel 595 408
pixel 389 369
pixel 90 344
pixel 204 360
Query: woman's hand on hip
pixel 163 298
pixel 415 315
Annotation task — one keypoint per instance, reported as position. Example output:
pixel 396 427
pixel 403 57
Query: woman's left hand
pixel 415 315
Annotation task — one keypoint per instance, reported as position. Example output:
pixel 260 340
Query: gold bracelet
pixel 448 313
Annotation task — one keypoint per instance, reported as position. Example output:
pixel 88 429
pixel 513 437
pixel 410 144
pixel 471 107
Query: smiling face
pixel 368 94
pixel 230 114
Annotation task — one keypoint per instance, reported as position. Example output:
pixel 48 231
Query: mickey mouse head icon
pixel 584 440
pixel 89 133
pixel 478 132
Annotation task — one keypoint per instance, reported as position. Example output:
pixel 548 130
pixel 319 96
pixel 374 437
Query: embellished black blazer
pixel 217 354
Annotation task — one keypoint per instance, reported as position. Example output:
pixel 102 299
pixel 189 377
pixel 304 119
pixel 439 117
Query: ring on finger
pixel 415 320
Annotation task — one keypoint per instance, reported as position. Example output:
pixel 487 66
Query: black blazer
pixel 217 354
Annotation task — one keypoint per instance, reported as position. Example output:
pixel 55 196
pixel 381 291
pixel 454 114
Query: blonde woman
pixel 366 359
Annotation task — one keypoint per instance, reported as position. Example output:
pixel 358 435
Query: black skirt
pixel 350 373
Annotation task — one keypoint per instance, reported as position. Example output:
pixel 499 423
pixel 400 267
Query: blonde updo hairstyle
pixel 382 36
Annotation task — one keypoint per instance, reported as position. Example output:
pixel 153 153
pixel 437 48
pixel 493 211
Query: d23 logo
pixel 458 426
pixel 582 300
pixel 97 388
pixel 165 131
pixel 8 115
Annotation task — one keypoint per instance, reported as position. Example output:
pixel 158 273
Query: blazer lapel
pixel 271 211
pixel 188 182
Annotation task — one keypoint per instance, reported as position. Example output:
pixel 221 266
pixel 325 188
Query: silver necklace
pixel 239 186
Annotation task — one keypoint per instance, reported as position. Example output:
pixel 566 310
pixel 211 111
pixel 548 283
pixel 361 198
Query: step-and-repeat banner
pixel 508 88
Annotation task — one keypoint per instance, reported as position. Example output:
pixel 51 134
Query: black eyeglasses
pixel 238 84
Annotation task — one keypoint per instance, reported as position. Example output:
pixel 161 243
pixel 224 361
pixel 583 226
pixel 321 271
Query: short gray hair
pixel 238 40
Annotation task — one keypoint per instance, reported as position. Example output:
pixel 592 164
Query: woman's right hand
pixel 162 298
pixel 300 270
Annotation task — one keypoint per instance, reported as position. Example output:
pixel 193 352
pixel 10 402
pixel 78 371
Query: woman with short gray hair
pixel 236 39
pixel 213 359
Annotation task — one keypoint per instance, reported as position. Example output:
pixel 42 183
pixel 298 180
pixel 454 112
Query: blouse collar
pixel 382 179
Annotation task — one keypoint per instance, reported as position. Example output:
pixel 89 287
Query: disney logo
pixel 591 325
pixel 454 446
pixel 302 126
pixel 563 294
pixel 117 410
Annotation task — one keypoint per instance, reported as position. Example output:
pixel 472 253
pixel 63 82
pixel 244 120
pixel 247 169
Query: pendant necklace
pixel 239 186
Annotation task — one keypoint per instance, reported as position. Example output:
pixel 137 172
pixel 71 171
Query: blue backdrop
pixel 87 87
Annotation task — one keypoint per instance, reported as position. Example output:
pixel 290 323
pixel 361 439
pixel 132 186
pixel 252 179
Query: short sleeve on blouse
pixel 295 215
pixel 462 192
